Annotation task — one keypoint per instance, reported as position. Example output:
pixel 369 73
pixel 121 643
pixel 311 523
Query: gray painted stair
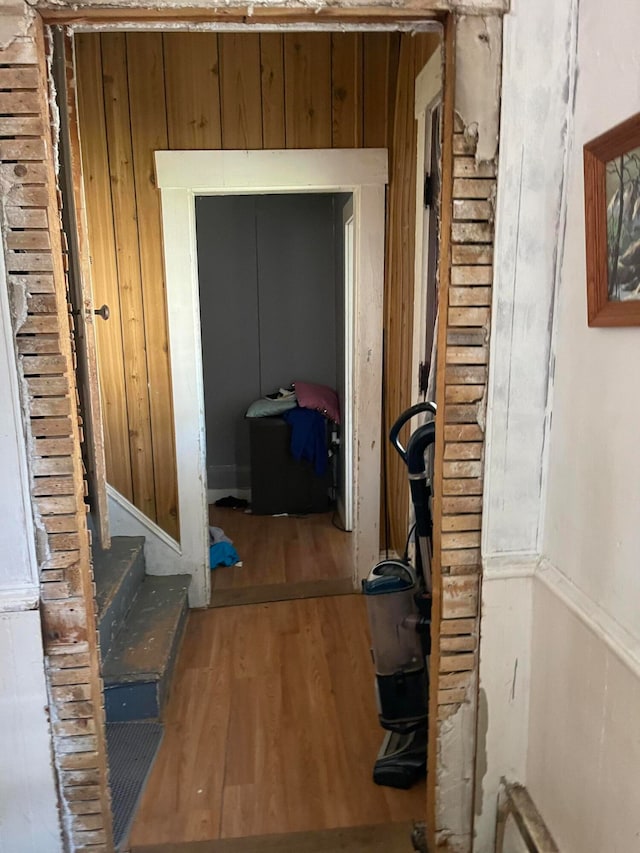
pixel 118 574
pixel 141 621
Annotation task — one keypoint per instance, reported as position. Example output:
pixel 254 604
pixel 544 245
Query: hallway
pixel 271 728
pixel 283 557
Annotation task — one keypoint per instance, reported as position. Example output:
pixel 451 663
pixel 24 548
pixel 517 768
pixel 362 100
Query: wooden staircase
pixel 141 620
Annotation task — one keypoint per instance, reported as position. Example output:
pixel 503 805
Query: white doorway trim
pixel 345 494
pixel 183 175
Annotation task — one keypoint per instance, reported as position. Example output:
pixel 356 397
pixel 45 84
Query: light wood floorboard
pixel 305 555
pixel 381 838
pixel 271 728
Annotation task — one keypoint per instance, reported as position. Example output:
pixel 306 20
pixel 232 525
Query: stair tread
pixel 143 648
pixel 110 567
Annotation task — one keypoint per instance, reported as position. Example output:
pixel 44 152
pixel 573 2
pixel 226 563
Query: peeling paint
pixel 467 7
pixel 481 748
pixel 455 769
pixel 15 20
pixel 478 77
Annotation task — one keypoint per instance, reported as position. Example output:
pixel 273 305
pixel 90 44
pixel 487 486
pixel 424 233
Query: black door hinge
pixel 423 377
pixel 428 190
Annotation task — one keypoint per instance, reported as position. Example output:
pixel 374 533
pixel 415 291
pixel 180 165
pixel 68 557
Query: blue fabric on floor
pixel 308 437
pixel 223 554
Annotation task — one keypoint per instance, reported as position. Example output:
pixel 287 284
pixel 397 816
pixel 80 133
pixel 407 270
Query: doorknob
pixel 103 311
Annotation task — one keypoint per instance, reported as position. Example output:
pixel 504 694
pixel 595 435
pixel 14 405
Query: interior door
pixel 75 229
pixel 427 112
pixel 345 369
pixel 430 249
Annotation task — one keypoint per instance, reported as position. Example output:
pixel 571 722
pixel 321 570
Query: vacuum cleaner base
pixel 402 759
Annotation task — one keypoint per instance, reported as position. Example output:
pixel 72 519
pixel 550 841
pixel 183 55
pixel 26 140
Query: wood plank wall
pixel 465 317
pixel 399 285
pixel 139 92
pixel 38 293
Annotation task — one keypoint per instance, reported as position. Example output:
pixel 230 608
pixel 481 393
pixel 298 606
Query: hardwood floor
pixel 303 554
pixel 271 728
pixel 380 838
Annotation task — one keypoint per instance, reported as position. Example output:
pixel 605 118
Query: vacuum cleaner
pixel 399 609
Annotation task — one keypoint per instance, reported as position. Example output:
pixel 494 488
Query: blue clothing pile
pixel 308 437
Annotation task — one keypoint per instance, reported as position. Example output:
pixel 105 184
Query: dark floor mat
pixel 132 749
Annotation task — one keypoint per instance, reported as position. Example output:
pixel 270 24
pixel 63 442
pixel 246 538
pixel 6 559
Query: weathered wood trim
pixel 466 275
pixel 36 264
pixel 435 685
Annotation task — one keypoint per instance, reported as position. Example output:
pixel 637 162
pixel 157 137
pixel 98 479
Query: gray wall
pixel 267 310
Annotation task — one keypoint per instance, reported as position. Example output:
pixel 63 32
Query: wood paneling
pixel 104 271
pixel 346 89
pixel 125 214
pixel 149 134
pixel 414 53
pixel 307 63
pixel 208 90
pixel 193 110
pixel 272 71
pixel 241 90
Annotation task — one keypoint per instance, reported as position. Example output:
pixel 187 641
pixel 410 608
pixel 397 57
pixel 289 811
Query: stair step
pixel 118 573
pixel 137 670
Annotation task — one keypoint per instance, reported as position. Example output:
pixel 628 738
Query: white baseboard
pixel 162 553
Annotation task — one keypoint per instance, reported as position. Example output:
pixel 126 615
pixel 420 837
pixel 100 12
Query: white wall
pixel 584 745
pixel 537 84
pixel 28 801
pixel 561 541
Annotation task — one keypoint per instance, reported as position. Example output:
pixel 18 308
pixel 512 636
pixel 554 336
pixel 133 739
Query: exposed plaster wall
pixel 535 132
pixel 28 810
pixel 584 744
pixel 28 805
pixel 478 59
pixel 472 7
pixel 15 17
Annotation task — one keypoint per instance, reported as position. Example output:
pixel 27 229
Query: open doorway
pixel 276 316
pixel 184 177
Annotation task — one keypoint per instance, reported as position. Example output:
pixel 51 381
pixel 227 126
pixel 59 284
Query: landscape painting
pixel 623 226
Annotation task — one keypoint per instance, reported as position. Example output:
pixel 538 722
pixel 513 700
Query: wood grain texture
pixel 280 552
pixel 271 728
pixel 308 90
pixel 123 196
pixel 241 90
pixel 346 90
pixel 272 75
pixel 399 292
pixel 378 81
pixel 192 90
pixel 447 170
pixel 378 838
pixel 149 134
pixel 189 90
pixel 82 298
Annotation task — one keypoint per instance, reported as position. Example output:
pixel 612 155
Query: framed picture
pixel 612 225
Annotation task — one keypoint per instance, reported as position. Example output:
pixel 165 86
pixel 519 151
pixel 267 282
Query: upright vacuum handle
pixel 394 433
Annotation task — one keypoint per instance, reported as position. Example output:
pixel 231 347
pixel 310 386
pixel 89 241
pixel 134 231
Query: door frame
pixel 183 175
pixel 428 89
pixel 344 498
